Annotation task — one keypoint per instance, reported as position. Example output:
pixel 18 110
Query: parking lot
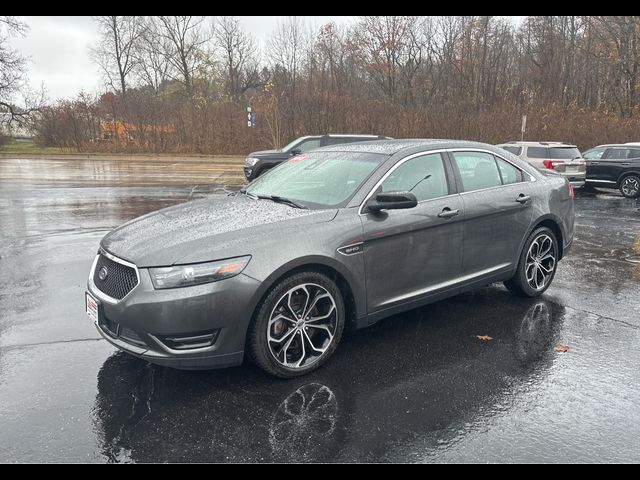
pixel 420 387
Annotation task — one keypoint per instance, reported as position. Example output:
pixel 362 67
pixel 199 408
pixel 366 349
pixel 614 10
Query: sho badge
pixel 350 249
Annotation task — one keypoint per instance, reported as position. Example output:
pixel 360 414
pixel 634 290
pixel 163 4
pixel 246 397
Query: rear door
pixel 497 198
pixel 613 163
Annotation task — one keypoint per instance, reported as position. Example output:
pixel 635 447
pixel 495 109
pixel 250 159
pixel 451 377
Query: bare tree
pixel 184 38
pixel 151 61
pixel 16 98
pixel 115 53
pixel 238 51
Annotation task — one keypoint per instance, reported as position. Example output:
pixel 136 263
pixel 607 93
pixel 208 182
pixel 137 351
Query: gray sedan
pixel 336 238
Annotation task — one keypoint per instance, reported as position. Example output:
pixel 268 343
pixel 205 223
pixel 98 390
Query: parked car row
pixel 614 166
pixel 605 166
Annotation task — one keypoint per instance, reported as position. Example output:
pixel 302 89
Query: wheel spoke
pixel 313 347
pixel 283 338
pixel 316 299
pixel 303 355
pixel 322 317
pixel 322 327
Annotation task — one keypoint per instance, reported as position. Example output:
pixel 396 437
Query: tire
pixel 282 339
pixel 532 268
pixel 630 186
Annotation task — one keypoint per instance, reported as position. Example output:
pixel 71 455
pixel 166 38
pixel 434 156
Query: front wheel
pixel 298 325
pixel 630 186
pixel 537 264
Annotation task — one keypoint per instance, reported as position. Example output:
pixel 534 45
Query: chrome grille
pixel 119 280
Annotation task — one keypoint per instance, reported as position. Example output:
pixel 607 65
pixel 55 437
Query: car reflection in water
pixel 422 377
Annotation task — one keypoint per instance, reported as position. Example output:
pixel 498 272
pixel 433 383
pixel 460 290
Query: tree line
pixel 182 83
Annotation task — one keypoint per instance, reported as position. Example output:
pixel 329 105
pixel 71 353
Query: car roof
pixel 617 145
pixel 538 144
pixel 391 147
pixel 349 135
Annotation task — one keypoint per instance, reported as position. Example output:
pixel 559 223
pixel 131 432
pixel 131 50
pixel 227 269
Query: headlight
pixel 250 161
pixel 187 275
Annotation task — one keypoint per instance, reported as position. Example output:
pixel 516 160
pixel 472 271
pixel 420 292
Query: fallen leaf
pixel 484 338
pixel 561 348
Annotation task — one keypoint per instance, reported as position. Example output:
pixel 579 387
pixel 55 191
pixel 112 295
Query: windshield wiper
pixel 250 195
pixel 279 199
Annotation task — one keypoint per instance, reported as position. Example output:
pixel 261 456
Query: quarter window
pixel 508 172
pixel 423 176
pixel 477 170
pixel 514 150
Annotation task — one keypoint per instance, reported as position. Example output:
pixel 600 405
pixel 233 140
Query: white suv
pixel 563 158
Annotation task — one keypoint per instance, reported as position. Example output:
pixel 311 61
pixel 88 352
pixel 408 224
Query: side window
pixel 424 176
pixel 538 152
pixel 634 153
pixel 477 170
pixel 310 144
pixel 515 150
pixel 616 154
pixel 508 172
pixel 595 154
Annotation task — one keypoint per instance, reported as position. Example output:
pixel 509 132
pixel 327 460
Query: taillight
pixel 571 192
pixel 550 164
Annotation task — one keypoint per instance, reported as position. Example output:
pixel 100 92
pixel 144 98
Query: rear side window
pixel 617 154
pixel 477 170
pixel 634 153
pixel 514 150
pixel 508 172
pixel 424 176
pixel 538 152
pixel 564 153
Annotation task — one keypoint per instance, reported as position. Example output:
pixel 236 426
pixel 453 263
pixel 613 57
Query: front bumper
pixel 144 320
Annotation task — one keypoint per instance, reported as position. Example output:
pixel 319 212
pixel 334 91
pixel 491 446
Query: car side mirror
pixel 392 201
pixel 295 151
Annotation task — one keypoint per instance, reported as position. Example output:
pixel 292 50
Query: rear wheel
pixel 537 264
pixel 630 186
pixel 298 325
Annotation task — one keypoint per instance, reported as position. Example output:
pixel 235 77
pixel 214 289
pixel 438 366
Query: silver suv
pixel 563 158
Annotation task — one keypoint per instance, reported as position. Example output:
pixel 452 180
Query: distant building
pixel 14 129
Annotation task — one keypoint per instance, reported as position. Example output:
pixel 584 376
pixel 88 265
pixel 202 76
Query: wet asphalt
pixel 419 387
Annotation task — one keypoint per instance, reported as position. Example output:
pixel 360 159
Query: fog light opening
pixel 191 342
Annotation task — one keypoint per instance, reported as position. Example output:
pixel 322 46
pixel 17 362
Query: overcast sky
pixel 58 48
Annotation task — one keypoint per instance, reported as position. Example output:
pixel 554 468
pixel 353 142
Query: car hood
pixel 269 154
pixel 213 228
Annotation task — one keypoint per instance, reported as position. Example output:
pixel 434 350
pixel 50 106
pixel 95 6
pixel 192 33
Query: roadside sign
pixel 251 118
pixel 523 128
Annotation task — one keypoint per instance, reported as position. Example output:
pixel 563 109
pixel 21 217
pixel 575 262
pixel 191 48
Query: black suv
pixel 614 166
pixel 257 163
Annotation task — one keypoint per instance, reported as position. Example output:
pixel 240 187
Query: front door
pixel 413 253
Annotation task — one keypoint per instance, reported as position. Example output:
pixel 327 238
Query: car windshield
pixel 317 179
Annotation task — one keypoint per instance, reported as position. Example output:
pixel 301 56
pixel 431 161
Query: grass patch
pixel 28 147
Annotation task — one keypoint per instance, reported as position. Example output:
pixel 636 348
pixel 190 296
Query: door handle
pixel 625 164
pixel 593 163
pixel 448 213
pixel 523 199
